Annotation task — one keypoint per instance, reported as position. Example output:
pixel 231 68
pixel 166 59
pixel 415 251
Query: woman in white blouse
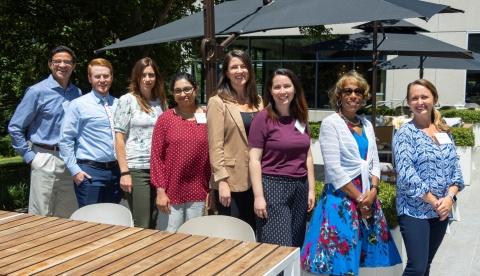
pixel 135 117
pixel 348 229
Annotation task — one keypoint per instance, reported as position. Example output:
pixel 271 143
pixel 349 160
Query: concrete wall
pixel 453 29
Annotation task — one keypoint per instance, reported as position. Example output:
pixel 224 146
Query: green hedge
pixel 463 137
pixel 14 183
pixel 387 197
pixel 469 116
pixel 314 129
pixel 6 149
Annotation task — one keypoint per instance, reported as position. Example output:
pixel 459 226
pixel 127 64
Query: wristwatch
pixel 452 197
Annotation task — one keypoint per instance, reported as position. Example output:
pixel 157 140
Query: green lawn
pixel 11 160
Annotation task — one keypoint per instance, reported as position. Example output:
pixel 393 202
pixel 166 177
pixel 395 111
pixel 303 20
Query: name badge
pixel 443 138
pixel 300 127
pixel 201 118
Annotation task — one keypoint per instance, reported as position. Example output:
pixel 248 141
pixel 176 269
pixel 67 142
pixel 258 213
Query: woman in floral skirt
pixel 348 229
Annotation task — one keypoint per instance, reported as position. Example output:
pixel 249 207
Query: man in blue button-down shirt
pixel 35 131
pixel 87 144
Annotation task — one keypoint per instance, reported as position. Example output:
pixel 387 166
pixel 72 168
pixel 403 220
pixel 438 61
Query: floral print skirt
pixel 338 241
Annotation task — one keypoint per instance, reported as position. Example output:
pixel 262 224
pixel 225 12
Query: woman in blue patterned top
pixel 428 177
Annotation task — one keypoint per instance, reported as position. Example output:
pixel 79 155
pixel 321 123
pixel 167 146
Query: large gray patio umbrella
pixel 406 44
pixel 411 62
pixel 246 16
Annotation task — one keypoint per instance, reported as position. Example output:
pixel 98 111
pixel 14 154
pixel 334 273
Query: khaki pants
pixel 51 186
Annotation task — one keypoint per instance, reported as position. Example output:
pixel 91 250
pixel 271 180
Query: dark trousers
pixel 103 186
pixel 142 199
pixel 287 203
pixel 422 238
pixel 241 206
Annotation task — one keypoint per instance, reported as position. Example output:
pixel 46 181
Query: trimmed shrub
pixel 6 149
pixel 469 116
pixel 14 184
pixel 463 137
pixel 314 129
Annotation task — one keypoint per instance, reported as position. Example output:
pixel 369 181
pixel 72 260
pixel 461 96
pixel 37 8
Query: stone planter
pixel 316 152
pixel 395 270
pixel 317 160
pixel 476 132
pixel 465 160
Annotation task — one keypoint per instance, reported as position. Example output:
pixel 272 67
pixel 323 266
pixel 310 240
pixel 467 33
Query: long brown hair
pixel 436 117
pixel 158 90
pixel 298 107
pixel 224 88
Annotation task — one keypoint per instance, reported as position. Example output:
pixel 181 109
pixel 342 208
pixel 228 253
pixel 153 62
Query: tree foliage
pixel 31 28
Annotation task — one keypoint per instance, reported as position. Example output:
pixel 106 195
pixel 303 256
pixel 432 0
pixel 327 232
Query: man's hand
pixel 79 177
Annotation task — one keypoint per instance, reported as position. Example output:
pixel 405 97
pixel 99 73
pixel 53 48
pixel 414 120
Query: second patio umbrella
pixel 409 62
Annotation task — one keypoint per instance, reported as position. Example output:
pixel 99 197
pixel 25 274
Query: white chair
pixel 108 213
pixel 219 226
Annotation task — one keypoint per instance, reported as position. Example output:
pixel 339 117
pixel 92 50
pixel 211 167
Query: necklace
pixel 348 121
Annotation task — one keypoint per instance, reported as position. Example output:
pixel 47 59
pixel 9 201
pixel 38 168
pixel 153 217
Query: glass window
pixel 472 89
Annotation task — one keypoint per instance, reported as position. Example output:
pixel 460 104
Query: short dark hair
pixel 60 49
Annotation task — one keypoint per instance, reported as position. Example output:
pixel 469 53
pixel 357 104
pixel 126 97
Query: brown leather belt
pixel 48 147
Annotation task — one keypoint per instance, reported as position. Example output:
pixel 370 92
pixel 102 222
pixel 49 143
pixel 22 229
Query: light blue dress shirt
pixel 39 115
pixel 422 166
pixel 86 131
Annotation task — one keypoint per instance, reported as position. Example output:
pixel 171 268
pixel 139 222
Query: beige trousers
pixel 51 185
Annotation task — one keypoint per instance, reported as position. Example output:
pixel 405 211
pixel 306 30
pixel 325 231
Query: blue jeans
pixel 104 186
pixel 422 238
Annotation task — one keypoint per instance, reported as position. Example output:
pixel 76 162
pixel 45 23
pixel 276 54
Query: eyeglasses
pixel 59 61
pixel 357 91
pixel 187 90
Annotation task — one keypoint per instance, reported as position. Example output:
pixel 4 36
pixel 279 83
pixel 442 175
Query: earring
pixel 339 104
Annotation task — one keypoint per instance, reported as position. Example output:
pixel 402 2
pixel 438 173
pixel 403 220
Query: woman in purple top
pixel 281 164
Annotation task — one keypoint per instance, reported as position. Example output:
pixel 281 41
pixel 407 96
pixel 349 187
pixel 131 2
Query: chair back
pixel 219 226
pixel 109 213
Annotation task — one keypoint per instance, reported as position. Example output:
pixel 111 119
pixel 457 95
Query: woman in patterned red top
pixel 180 169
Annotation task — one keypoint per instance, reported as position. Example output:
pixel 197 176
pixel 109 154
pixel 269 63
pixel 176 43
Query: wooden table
pixel 31 244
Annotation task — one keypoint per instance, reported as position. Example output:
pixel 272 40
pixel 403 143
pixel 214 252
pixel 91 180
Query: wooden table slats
pixel 226 259
pixel 135 252
pixel 88 238
pixel 161 255
pixel 209 255
pixel 37 245
pixel 21 237
pixel 73 253
pixel 178 259
pixel 70 264
pixel 33 225
pixel 269 261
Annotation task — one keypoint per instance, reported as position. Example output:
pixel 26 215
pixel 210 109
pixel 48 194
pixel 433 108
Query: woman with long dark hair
pixel 230 113
pixel 135 117
pixel 281 163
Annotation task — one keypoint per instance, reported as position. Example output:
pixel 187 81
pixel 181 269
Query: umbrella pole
pixel 208 46
pixel 422 59
pixel 374 73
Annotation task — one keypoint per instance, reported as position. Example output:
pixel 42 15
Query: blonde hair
pixel 336 92
pixel 100 62
pixel 436 117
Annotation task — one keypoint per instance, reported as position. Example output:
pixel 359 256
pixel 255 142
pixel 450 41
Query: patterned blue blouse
pixel 422 166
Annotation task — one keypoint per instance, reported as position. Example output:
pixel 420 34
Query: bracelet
pixel 375 187
pixel 125 173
